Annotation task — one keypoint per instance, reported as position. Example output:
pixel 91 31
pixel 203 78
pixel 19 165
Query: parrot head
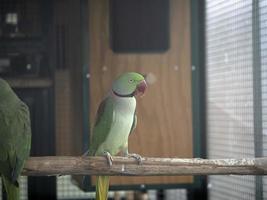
pixel 129 84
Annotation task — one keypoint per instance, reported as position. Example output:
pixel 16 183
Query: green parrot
pixel 15 142
pixel 115 120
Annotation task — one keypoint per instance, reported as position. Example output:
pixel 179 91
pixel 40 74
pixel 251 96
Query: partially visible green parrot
pixel 115 120
pixel 15 138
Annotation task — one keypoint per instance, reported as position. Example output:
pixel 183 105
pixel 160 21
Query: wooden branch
pixel 122 166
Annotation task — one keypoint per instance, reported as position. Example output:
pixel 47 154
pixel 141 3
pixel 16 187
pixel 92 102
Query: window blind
pixel 229 92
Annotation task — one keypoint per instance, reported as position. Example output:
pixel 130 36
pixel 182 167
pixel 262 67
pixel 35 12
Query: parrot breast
pixel 124 110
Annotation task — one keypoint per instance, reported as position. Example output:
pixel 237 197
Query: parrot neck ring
pixel 123 95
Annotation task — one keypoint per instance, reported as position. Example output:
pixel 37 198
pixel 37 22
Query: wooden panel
pixel 164 126
pixel 68 79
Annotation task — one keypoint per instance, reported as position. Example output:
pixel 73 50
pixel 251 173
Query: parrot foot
pixel 136 156
pixel 109 158
pixel 85 153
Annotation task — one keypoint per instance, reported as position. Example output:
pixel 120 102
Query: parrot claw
pixel 137 157
pixel 109 158
pixel 85 153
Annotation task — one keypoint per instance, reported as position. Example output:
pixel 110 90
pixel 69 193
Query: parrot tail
pixel 102 185
pixel 12 189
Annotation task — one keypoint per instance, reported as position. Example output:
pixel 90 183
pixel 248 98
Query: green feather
pixel 104 119
pixel 12 189
pixel 134 123
pixel 15 142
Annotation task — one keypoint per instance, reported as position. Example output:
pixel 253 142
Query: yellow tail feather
pixel 102 185
pixel 12 190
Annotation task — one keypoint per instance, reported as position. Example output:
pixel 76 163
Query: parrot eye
pixel 131 81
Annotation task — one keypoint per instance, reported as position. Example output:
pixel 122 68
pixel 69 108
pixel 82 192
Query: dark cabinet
pixel 40 102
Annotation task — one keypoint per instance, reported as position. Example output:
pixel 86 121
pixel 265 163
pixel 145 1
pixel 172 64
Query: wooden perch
pixel 122 166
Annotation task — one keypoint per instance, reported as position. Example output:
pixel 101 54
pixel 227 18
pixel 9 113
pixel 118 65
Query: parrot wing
pixel 104 119
pixel 134 122
pixel 103 123
pixel 22 148
pixel 15 133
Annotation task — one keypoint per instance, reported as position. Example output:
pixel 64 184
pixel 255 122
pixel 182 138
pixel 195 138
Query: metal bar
pixel 85 70
pixel 257 96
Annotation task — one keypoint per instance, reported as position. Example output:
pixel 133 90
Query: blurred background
pixel 205 62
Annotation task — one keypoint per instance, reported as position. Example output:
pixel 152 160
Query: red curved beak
pixel 141 87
